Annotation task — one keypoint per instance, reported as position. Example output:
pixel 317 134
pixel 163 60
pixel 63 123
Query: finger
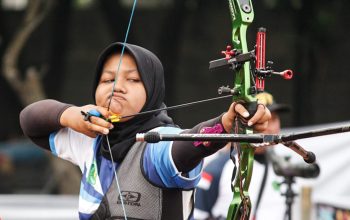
pixel 101 122
pixel 91 134
pixel 261 127
pixel 231 114
pixel 87 131
pixel 104 112
pixel 258 116
pixel 265 117
pixel 96 128
pixel 239 108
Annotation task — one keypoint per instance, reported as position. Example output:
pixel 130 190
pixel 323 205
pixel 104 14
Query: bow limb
pixel 242 16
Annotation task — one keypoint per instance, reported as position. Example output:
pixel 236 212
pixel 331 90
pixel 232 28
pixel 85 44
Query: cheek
pixel 141 98
pixel 99 96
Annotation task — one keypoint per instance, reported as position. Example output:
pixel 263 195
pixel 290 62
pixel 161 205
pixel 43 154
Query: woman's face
pixel 129 94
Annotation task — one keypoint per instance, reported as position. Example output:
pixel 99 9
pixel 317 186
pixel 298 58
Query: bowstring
pixel 110 101
pixel 122 52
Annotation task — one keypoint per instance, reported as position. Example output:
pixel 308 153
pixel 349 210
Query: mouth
pixel 115 103
pixel 117 97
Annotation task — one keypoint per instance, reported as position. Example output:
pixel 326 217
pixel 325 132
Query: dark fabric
pixel 260 158
pixel 102 212
pixel 122 137
pixel 172 203
pixel 187 156
pixel 38 125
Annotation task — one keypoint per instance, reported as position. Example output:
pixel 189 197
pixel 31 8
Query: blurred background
pixel 48 49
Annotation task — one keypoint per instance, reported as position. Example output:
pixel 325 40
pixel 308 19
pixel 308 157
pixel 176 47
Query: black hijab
pixel 122 137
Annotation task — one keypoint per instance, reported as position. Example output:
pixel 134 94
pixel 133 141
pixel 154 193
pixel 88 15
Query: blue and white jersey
pixel 98 173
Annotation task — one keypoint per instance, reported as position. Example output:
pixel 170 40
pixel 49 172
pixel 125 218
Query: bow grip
pixel 251 107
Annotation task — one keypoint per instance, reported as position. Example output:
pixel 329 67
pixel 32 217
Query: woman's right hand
pixel 73 118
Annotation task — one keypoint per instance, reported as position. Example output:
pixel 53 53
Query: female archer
pixel 122 178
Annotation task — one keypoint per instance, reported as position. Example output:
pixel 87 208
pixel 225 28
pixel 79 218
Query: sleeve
pixel 188 154
pixel 159 167
pixel 38 125
pixel 72 146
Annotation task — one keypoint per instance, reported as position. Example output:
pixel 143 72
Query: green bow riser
pixel 242 15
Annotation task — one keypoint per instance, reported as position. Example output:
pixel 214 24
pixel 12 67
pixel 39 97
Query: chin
pixel 117 111
pixel 116 107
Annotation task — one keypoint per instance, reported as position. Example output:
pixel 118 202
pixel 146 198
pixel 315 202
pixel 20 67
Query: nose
pixel 119 86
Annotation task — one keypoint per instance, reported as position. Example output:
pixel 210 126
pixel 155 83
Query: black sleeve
pixel 186 155
pixel 38 120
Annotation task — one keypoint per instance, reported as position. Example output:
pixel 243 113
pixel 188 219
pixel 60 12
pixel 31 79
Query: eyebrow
pixel 115 71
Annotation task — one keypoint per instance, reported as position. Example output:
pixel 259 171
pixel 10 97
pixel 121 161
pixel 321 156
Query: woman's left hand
pixel 259 121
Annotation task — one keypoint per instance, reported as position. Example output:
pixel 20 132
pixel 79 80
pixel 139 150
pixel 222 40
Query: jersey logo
pixel 92 174
pixel 130 198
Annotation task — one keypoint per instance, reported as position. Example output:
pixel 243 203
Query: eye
pixel 135 80
pixel 108 81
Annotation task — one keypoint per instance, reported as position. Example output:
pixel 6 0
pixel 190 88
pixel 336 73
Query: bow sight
pixel 234 59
